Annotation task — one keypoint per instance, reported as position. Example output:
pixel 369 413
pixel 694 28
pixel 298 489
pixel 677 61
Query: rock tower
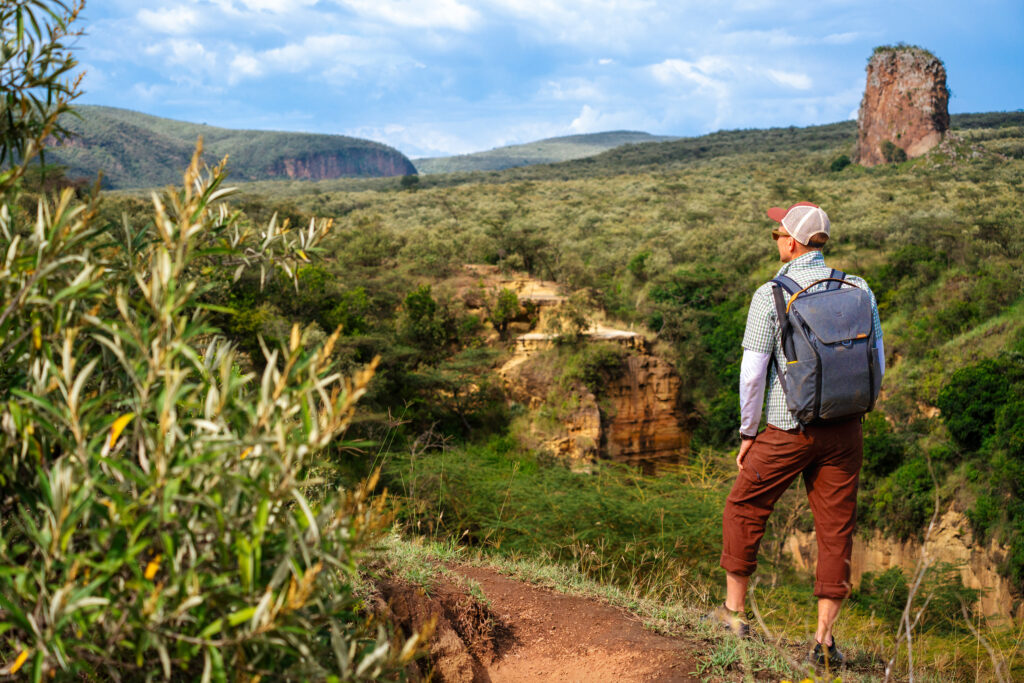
pixel 905 105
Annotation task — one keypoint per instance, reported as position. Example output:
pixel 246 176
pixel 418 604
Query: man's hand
pixel 744 447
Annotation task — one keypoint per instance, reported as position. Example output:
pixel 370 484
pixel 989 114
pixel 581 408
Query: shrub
pixel 883 449
pixel 892 153
pixel 593 365
pixel 839 163
pixel 504 310
pixel 902 502
pixel 973 395
pixel 164 520
pixel 162 511
pixel 884 593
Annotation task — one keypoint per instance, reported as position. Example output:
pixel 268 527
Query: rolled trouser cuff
pixel 735 565
pixel 832 591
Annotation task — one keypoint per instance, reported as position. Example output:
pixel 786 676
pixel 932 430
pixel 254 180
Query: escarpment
pixel 905 110
pixel 360 163
pixel 951 541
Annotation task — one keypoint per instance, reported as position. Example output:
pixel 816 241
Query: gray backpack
pixel 828 339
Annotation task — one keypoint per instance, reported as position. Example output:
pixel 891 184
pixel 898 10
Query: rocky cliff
pixel 637 415
pixel 905 105
pixel 358 163
pixel 951 541
pixel 637 418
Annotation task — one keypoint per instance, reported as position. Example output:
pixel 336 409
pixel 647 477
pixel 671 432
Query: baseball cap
pixel 803 220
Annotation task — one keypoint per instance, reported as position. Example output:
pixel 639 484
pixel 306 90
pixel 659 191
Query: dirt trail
pixel 550 636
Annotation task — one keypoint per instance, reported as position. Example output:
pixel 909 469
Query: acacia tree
pixel 160 513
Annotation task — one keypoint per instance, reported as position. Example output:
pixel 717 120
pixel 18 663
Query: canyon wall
pixel 362 163
pixel 950 541
pixel 637 419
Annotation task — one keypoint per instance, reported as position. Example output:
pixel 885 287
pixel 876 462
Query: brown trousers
pixel 829 456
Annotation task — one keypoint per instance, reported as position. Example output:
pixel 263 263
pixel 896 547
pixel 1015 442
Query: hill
pixel 773 142
pixel 550 150
pixel 138 150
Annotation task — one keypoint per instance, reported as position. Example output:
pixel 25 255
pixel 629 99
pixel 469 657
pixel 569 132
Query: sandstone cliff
pixel 906 104
pixel 636 416
pixel 637 419
pixel 951 541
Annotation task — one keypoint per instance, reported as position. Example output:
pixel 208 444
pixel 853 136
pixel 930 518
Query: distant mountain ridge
pixel 547 151
pixel 139 150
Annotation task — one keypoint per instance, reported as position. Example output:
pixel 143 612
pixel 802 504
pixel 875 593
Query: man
pixel 828 454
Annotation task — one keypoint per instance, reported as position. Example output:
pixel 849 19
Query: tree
pixel 36 84
pixel 504 310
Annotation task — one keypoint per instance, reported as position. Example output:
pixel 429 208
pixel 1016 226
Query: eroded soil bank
pixel 529 633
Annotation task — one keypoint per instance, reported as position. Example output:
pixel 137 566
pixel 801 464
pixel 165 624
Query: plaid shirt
pixel 763 333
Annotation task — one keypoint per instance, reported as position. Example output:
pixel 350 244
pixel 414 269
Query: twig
pixel 997 662
pixel 776 641
pixel 922 568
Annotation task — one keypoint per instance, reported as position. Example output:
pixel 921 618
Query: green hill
pixel 775 142
pixel 138 150
pixel 550 150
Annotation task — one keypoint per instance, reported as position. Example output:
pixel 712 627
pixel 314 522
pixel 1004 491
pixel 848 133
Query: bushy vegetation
pixel 165 511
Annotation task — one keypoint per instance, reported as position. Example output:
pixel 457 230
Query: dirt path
pixel 556 637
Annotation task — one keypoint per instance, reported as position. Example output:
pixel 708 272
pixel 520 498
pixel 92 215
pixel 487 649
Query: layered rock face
pixel 645 426
pixel 357 163
pixel 951 541
pixel 638 420
pixel 906 103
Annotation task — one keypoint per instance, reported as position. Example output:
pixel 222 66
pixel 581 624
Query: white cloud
pixel 675 71
pixel 613 23
pixel 605 61
pixel 759 40
pixel 449 14
pixel 591 120
pixel 587 121
pixel 181 52
pixel 174 20
pixel 335 54
pixel 273 6
pixel 841 38
pixel 244 66
pixel 572 89
pixel 417 140
pixel 790 79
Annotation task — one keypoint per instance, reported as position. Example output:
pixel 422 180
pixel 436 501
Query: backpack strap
pixel 785 327
pixel 836 279
pixel 783 282
pixel 787 283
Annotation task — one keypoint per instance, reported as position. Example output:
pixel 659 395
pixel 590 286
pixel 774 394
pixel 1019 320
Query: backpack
pixel 828 340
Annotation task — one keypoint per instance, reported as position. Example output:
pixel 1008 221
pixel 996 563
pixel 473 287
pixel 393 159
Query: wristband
pixel 747 437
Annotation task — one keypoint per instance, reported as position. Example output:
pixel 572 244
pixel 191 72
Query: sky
pixel 441 77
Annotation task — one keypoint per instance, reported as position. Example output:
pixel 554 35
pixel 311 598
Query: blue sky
pixel 437 77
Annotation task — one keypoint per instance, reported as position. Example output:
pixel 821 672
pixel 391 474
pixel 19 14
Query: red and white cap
pixel 803 221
